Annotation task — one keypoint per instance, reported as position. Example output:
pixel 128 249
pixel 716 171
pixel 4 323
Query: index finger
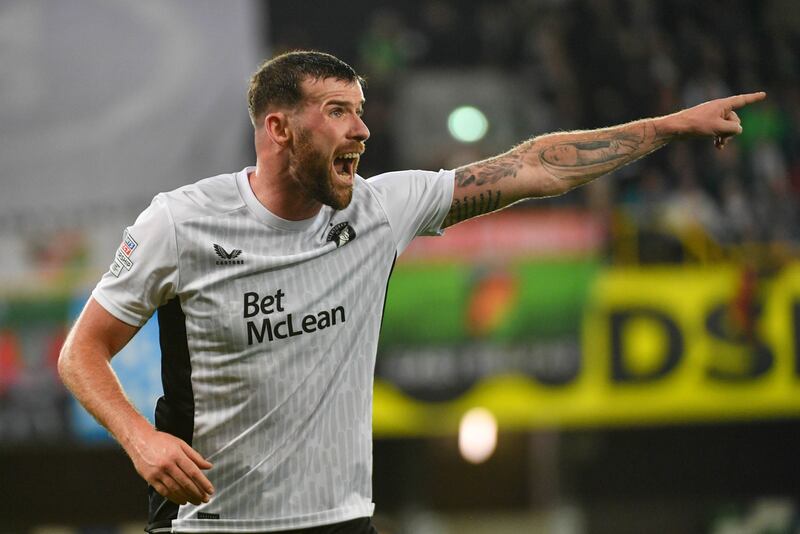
pixel 194 470
pixel 739 101
pixel 186 485
pixel 195 456
pixel 193 480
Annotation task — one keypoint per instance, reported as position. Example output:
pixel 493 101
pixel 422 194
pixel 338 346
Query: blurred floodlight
pixel 426 109
pixel 467 124
pixel 477 435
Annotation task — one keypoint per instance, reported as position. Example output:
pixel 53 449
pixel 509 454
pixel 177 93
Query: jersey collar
pixel 267 217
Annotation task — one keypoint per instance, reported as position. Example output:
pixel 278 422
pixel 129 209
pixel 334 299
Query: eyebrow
pixel 343 103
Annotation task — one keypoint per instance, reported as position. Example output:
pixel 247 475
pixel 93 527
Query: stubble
pixel 312 170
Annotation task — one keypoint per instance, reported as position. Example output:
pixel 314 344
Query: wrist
pixel 135 433
pixel 671 126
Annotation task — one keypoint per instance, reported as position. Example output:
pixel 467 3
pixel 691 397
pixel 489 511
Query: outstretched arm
pixel 556 163
pixel 167 463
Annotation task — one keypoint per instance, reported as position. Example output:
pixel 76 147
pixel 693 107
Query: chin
pixel 340 201
pixel 337 195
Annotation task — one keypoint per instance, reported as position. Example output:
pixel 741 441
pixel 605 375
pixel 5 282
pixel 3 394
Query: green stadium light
pixel 467 124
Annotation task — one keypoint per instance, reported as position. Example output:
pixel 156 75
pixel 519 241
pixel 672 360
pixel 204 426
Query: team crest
pixel 341 234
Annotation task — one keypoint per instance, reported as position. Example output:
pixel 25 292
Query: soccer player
pixel 270 286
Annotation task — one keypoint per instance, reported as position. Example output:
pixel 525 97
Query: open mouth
pixel 345 165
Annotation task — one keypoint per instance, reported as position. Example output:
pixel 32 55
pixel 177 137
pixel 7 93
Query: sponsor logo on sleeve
pixel 123 259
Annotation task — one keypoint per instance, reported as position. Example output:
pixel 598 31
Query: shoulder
pixel 386 184
pixel 216 195
pixel 407 178
pixel 389 178
pixel 396 185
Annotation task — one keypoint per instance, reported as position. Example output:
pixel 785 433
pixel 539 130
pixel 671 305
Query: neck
pixel 280 193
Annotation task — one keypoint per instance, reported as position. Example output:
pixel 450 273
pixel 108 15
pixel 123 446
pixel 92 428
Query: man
pixel 270 285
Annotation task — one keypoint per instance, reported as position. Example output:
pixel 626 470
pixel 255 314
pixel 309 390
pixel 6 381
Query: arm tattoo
pixel 472 206
pixel 580 161
pixel 490 171
pixel 548 165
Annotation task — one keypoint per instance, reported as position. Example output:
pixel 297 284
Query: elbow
pixel 66 361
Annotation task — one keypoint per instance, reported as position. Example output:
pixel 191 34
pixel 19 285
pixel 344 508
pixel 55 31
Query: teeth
pixel 351 155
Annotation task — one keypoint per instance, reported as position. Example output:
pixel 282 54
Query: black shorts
pixel 362 525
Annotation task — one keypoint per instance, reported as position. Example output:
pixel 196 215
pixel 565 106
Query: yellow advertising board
pixel 659 345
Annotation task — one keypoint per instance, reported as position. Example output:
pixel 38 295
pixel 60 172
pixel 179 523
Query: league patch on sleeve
pixel 123 256
pixel 128 245
pixel 115 267
pixel 123 259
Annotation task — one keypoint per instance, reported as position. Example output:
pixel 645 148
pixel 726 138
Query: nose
pixel 359 130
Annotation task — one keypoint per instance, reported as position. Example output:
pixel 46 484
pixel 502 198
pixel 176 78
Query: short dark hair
pixel 277 82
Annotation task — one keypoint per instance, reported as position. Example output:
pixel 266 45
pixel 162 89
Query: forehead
pixel 324 89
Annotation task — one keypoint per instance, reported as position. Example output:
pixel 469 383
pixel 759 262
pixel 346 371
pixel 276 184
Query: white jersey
pixel 269 330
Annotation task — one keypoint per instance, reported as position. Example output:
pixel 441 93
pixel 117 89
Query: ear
pixel 276 125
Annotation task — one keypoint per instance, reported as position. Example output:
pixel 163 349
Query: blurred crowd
pixel 595 63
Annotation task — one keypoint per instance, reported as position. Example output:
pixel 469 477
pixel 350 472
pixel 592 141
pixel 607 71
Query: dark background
pixel 586 64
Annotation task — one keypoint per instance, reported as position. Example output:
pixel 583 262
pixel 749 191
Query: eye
pixel 337 112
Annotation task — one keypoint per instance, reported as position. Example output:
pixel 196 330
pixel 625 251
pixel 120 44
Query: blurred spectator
pixel 387 47
pixel 592 63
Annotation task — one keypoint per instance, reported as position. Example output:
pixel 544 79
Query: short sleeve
pixel 144 272
pixel 415 202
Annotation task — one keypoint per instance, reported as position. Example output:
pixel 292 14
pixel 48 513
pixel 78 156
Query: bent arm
pixel 84 366
pixel 164 461
pixel 556 163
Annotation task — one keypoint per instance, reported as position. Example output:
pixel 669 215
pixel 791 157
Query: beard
pixel 313 171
